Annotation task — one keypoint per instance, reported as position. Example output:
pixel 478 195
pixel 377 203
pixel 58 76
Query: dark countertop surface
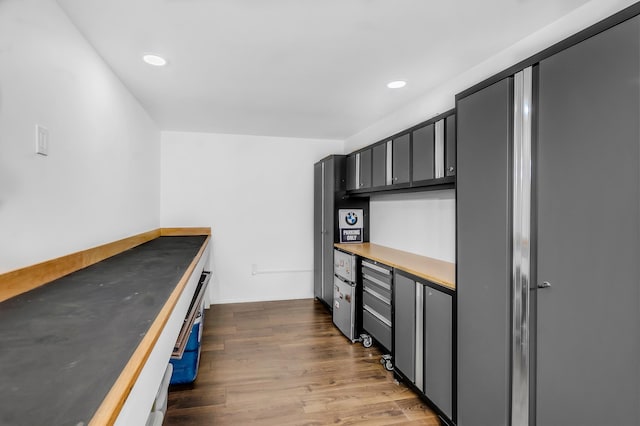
pixel 63 345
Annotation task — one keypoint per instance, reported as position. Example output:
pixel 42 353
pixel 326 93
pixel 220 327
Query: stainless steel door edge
pixel 521 268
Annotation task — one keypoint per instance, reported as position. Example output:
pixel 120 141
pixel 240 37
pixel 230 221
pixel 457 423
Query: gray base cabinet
pixel 423 339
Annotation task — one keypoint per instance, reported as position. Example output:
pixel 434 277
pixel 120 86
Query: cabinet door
pixel 328 230
pixel 450 146
pixel 404 344
pixel 438 350
pixel 400 159
pixel 588 326
pixel 365 169
pixel 483 257
pixel 423 152
pixel 317 230
pixel 352 172
pixel 379 165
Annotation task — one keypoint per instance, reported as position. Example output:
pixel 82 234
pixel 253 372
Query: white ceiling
pixel 299 68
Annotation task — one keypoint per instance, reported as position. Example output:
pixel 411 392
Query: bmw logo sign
pixel 351 218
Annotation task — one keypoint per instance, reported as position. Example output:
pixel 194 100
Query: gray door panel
pixel 437 348
pixel 400 159
pixel 588 232
pixel 484 256
pixel 351 172
pixel 365 169
pixel 423 153
pixel 450 146
pixel 379 165
pixel 317 230
pixel 329 224
pixel 404 344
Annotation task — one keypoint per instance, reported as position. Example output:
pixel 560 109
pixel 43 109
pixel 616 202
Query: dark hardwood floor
pixel 284 363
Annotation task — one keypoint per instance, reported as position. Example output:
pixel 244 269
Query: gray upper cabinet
pixel 450 146
pixel 423 153
pixel 423 157
pixel 352 172
pixel 379 165
pixel 401 159
pixel 365 169
pixel 359 170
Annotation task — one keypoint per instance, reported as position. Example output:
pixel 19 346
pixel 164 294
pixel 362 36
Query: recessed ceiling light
pixel 154 60
pixel 396 84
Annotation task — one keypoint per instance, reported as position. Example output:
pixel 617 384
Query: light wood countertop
pixel 434 270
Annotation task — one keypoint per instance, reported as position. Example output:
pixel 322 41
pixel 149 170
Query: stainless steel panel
pixel 419 336
pixel 344 265
pixel 358 183
pixel 521 259
pixel 344 307
pixel 439 149
pixel 389 165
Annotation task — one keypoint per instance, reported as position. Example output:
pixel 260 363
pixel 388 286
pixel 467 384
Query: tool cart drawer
pixel 377 326
pixel 377 302
pixel 377 272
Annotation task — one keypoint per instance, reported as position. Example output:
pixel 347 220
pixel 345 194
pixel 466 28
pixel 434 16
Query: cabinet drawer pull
pixel 376 268
pixel 377 315
pixel 377 296
pixel 377 281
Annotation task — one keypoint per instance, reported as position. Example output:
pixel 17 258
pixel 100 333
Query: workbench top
pixel 64 344
pixel 434 270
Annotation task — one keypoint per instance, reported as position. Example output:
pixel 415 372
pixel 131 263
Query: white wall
pixel 100 181
pixel 256 193
pixel 442 98
pixel 420 222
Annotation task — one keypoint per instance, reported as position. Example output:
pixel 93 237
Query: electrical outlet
pixel 42 140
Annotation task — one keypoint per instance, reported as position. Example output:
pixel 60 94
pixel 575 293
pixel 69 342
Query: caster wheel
pixel 367 342
pixel 388 365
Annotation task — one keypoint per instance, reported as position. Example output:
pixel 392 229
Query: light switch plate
pixel 42 140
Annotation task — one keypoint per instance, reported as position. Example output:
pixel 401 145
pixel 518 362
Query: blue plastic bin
pixel 185 369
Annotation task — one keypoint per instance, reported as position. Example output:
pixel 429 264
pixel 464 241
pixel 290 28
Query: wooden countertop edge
pixel 21 280
pixel 424 271
pixel 111 406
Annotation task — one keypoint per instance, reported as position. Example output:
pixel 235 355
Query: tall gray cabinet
pixel 548 239
pixel 329 189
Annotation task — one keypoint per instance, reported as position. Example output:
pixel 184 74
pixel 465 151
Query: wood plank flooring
pixel 285 363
